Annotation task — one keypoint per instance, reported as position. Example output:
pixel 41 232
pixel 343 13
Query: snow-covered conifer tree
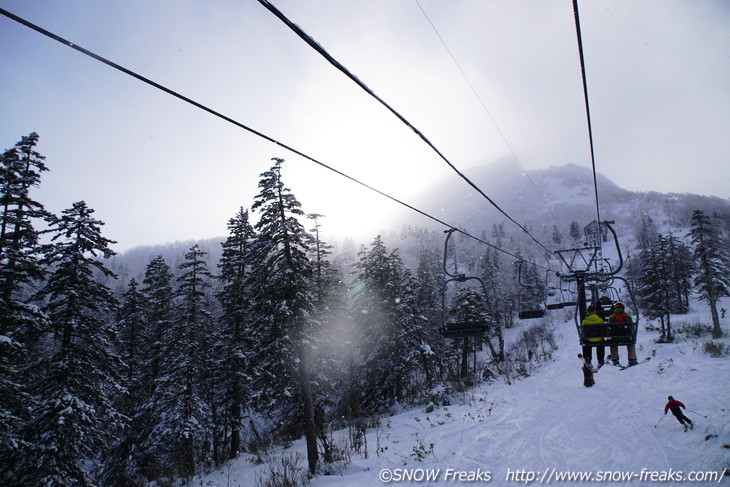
pixel 282 297
pixel 330 357
pixel 502 297
pixel 655 289
pixel 69 429
pixel 131 325
pixel 710 253
pixel 234 267
pixel 557 235
pixel 680 273
pixel 574 232
pixel 20 171
pixel 123 465
pixel 181 386
pixel 158 297
pixel 20 268
pixel 428 286
pixel 384 326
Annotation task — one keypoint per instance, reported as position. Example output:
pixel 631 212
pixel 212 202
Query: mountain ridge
pixel 558 195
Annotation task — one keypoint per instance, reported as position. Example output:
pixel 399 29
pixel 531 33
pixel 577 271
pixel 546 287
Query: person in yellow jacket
pixel 592 318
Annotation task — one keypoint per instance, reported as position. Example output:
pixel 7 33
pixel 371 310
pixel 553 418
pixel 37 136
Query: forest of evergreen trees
pixel 190 366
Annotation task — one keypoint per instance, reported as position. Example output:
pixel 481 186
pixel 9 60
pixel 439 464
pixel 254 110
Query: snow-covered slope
pixel 549 424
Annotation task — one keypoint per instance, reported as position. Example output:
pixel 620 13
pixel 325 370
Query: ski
pixel 624 367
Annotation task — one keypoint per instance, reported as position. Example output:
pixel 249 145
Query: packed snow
pixel 548 426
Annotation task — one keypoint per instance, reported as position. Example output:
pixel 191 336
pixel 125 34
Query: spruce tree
pixel 70 428
pixel 574 232
pixel 647 233
pixel 181 387
pixel 412 333
pixel 654 289
pixel 234 267
pixel 386 325
pixel 158 296
pixel 329 357
pixel 20 171
pixel 712 280
pixel 557 235
pixel 131 325
pixel 427 289
pixel 680 273
pixel 20 269
pixel 123 466
pixel 501 296
pixel 282 298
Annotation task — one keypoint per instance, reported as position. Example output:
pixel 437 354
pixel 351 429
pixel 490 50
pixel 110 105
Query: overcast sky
pixel 158 170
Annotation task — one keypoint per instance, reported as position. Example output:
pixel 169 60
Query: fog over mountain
pixel 557 196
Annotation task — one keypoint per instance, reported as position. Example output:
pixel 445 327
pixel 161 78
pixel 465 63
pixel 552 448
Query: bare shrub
pixel 285 471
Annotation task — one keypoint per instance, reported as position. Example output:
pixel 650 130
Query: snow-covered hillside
pixel 549 425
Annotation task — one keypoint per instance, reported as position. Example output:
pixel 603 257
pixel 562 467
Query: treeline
pixel 671 268
pixel 190 366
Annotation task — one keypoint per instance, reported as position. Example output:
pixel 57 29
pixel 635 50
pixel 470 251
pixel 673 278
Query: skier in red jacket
pixel 676 408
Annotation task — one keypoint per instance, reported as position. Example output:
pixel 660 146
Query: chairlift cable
pixel 486 110
pixel 236 123
pixel 317 47
pixel 588 114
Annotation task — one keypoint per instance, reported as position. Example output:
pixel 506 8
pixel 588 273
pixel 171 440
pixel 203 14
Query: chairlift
pixel 565 298
pixel 460 329
pixel 609 332
pixel 591 287
pixel 525 312
pixel 530 314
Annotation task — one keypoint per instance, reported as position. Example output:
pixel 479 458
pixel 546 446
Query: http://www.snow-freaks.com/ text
pixel 550 475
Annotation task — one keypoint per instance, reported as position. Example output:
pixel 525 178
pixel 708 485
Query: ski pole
pixel 697 413
pixel 660 420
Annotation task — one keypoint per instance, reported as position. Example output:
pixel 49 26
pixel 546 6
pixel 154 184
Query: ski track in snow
pixel 550 421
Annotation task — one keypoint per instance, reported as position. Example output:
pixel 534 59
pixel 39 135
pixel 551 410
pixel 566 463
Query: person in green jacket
pixel 592 318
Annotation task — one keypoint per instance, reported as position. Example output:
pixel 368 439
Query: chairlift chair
pixel 565 298
pixel 461 329
pixel 527 313
pixel 610 333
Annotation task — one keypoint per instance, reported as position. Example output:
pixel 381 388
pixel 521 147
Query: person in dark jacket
pixel 619 316
pixel 676 408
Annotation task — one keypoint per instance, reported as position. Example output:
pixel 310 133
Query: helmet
pixel 618 304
